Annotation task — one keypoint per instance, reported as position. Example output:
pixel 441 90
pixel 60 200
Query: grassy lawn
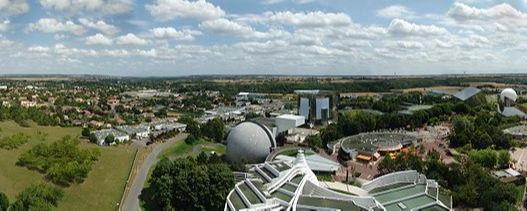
pixel 294 151
pixel 101 190
pixel 182 149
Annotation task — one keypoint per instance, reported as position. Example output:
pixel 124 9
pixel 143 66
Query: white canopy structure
pixel 292 185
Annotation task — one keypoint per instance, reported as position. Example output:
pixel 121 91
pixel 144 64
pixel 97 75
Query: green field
pixel 101 190
pixel 182 149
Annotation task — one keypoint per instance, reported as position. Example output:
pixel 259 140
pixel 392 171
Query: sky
pixel 289 37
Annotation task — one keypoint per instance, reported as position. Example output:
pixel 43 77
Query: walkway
pixel 131 202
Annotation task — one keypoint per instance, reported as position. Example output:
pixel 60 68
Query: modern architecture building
pixel 249 142
pixel 507 104
pixel 317 105
pixel 292 185
pixel 287 121
pixel 467 93
pixel 370 146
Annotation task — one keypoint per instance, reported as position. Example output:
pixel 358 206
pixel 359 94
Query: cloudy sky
pixel 301 37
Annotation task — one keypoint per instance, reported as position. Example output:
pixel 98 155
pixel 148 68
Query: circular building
pixel 249 142
pixel 370 146
pixel 508 96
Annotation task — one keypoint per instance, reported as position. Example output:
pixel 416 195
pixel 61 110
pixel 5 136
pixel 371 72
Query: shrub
pixel 62 161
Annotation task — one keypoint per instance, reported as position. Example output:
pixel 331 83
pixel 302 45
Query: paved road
pixel 131 202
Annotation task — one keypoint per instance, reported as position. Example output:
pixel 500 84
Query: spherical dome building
pixel 509 94
pixel 249 142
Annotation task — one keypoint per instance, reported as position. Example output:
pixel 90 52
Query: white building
pixel 299 135
pixel 287 121
pixel 138 131
pixel 28 104
pixel 100 136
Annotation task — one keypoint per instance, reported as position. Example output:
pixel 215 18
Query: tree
pixel 109 139
pixel 251 115
pixel 214 129
pixel 191 139
pixel 38 197
pixel 486 157
pixel 193 128
pixel 503 158
pixel 387 165
pixel 93 138
pixel 62 161
pixel 330 133
pixel 185 184
pixel 314 141
pixel 85 132
pixel 4 202
pixel 481 140
pixel 202 158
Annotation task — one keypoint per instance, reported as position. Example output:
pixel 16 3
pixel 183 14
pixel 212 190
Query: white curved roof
pixel 508 93
pixel 249 142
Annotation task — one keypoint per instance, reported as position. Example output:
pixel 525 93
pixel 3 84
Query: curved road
pixel 131 202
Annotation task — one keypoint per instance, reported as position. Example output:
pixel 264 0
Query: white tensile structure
pixel 291 185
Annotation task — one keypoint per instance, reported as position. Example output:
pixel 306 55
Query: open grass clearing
pixel 101 190
pixel 182 149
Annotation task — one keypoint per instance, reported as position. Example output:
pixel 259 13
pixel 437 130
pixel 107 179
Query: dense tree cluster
pixel 190 184
pixel 314 141
pixel 62 161
pixel 355 122
pixel 490 158
pixel 21 115
pixel 40 197
pixel 470 184
pixel 283 86
pixel 389 103
pixel 213 130
pixel 14 141
pixel 481 131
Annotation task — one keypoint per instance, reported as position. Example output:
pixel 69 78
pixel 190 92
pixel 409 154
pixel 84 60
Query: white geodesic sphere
pixel 249 142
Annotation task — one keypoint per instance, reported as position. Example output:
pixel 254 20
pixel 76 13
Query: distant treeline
pixel 269 84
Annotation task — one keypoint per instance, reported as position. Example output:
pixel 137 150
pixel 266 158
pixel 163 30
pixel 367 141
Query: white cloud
pixel 5 42
pixel 404 28
pixel 51 25
pixel 104 7
pixel 4 25
pixel 228 27
pixel 504 14
pixel 224 26
pixel 294 1
pixel 130 39
pixel 170 9
pixel 98 39
pixel 38 49
pixel 13 7
pixel 310 19
pixel 394 11
pixel 100 26
pixel 172 33
pixel 405 45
